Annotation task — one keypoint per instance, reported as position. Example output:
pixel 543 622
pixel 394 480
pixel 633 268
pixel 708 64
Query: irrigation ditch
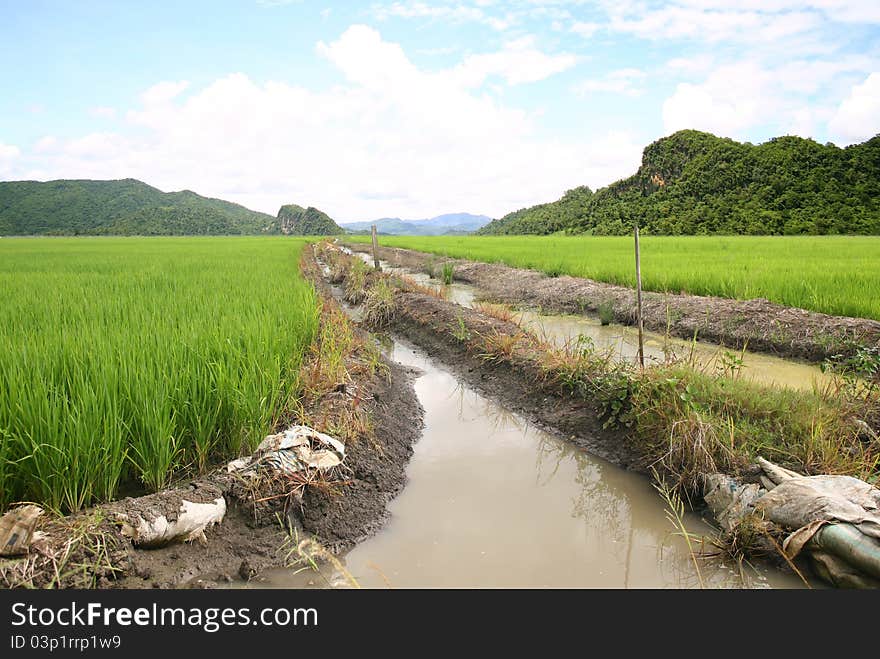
pixel 757 324
pixel 701 435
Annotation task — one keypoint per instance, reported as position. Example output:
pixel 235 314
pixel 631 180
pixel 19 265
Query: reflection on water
pixel 493 502
pixel 623 341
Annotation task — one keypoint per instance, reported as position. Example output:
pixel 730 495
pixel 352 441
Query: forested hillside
pixel 123 207
pixel 299 221
pixel 696 183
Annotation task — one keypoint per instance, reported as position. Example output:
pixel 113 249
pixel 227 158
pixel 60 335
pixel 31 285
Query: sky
pixel 416 108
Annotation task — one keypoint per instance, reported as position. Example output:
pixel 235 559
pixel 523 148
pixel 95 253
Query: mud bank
pixel 757 324
pixel 374 408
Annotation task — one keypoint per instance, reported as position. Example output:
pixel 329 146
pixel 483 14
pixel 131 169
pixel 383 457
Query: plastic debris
pixel 17 529
pixel 834 518
pixel 296 449
pixel 730 500
pixel 192 520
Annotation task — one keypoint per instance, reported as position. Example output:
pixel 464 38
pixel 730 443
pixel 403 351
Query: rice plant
pixel 126 361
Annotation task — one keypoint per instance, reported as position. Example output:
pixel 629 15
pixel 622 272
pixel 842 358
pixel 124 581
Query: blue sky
pixel 414 109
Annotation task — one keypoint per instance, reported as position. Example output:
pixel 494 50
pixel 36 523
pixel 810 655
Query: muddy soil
pixel 759 324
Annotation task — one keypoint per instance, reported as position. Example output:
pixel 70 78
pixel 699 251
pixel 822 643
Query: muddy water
pixel 494 502
pixel 622 341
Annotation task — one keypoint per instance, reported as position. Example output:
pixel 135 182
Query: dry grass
pixel 379 304
pixel 412 286
pixel 498 346
pixel 308 553
pixel 68 552
pixel 498 311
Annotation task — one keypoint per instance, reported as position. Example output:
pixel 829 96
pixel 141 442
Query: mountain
pixel 123 207
pixel 452 223
pixel 299 221
pixel 696 183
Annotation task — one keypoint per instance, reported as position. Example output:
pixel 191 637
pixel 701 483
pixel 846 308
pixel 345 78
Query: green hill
pixel 298 221
pixel 124 207
pixel 696 183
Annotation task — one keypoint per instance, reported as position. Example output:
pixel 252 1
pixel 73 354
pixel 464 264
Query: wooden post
pixel 639 299
pixel 375 248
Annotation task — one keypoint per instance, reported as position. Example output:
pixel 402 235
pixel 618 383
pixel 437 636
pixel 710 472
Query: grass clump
pixel 356 281
pixel 447 273
pixel 379 304
pixel 606 313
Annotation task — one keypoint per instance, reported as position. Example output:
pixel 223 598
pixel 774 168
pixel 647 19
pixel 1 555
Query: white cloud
pixel 95 146
pixel 392 140
pixel 858 116
pixel 844 11
pixel 518 62
pixel 8 153
pixel 585 29
pixel 792 97
pixel 46 144
pixel 455 13
pixel 103 112
pixel 622 81
pixel 731 99
pixel 694 65
pixel 163 92
pixel 691 21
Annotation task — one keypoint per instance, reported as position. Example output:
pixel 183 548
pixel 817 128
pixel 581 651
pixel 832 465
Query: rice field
pixel 126 361
pixel 838 275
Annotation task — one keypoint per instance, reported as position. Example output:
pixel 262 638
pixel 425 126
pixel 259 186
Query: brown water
pixel 491 501
pixel 622 341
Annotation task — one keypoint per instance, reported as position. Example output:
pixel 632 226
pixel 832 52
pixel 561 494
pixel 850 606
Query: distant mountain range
pixel 452 223
pixel 129 207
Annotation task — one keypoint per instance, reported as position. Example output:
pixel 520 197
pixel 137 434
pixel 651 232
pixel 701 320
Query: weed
pixel 606 312
pixel 675 515
pixel 307 553
pixel 447 273
pixel 461 331
pixel 498 346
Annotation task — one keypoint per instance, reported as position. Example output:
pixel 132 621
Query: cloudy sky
pixel 416 108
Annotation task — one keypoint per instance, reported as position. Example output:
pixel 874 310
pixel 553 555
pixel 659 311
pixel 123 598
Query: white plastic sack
pixel 296 449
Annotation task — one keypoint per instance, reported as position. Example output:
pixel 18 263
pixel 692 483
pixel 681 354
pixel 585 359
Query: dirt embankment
pixel 678 425
pixel 758 324
pixel 373 408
